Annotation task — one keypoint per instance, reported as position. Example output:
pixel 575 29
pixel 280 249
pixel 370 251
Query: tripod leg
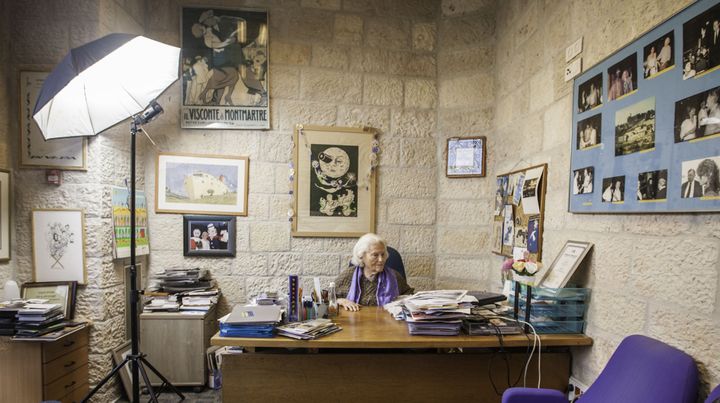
pixel 159 375
pixel 104 380
pixel 153 396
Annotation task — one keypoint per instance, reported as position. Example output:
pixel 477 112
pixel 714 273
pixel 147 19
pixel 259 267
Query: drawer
pixel 76 395
pixel 65 345
pixel 66 384
pixel 64 365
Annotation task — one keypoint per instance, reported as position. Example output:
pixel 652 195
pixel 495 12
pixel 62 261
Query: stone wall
pixel 7 269
pixel 650 274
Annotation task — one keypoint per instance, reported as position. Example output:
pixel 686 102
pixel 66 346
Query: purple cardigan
pixel 387 288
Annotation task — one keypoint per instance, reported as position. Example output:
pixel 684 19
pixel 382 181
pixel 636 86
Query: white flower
pixel 531 267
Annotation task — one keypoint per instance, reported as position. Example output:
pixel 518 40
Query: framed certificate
pixel 565 264
pixel 465 157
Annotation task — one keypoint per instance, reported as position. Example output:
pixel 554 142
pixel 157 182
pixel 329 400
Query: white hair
pixel 363 245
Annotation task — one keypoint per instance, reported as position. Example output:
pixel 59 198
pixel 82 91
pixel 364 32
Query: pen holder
pixel 321 310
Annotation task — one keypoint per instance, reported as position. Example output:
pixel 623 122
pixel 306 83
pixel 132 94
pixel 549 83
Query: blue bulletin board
pixel 646 122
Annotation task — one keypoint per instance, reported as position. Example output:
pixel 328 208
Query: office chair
pixel 394 261
pixel 641 370
pixel 714 396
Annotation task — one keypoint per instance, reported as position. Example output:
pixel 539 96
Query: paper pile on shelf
pixel 309 329
pixel 251 321
pixel 183 280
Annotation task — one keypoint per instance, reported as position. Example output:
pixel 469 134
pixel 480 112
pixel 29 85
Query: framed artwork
pixel 56 292
pixel 225 68
pixel 4 215
pixel 209 236
pixel 35 151
pixel 653 146
pixel 333 181
pixel 59 245
pixel 118 355
pixel 562 268
pixel 465 157
pixel 121 223
pixel 203 184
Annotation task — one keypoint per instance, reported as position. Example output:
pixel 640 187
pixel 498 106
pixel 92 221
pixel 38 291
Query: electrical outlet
pixel 573 69
pixel 574 49
pixel 575 389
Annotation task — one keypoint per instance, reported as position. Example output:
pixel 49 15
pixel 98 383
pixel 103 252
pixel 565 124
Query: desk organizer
pixel 554 310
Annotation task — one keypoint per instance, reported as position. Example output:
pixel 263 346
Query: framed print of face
pixel 59 245
pixel 204 184
pixel 333 182
pixel 208 236
pixel 4 215
pixel 465 157
pixel 35 152
pixel 56 292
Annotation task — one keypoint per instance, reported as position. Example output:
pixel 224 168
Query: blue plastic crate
pixel 553 327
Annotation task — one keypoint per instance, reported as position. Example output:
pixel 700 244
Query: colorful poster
pixel 121 223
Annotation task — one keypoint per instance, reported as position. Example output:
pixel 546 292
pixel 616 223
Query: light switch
pixel 574 49
pixel 573 69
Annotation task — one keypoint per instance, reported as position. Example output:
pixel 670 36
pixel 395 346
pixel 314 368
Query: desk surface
pixel 373 327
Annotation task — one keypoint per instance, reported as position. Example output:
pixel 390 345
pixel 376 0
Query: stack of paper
pixel 309 329
pixel 483 322
pixel 8 319
pixel 197 303
pixel 162 304
pixel 251 321
pixel 38 319
pixel 437 313
pixel 181 280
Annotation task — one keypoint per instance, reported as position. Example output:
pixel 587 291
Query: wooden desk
pixel 392 370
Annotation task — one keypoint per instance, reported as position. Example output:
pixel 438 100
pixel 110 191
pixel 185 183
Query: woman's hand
pixel 348 305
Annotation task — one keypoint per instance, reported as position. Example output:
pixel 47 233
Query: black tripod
pixel 136 359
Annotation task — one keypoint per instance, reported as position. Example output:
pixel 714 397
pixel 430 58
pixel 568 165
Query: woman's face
pixel 374 259
pixel 196 233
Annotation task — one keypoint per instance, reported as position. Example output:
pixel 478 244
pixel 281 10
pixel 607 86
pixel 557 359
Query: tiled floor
pixel 207 396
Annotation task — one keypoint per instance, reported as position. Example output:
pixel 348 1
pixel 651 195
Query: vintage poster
pixel 334 180
pixel 225 69
pixel 121 223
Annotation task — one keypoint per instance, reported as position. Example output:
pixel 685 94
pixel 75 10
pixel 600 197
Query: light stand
pixel 136 359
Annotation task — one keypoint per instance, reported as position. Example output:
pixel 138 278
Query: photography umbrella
pixel 96 86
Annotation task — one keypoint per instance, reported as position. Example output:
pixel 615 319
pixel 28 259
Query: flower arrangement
pixel 517 269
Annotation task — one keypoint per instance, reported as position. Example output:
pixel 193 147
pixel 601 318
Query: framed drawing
pixel 56 292
pixel 465 157
pixel 209 236
pixel 653 146
pixel 118 355
pixel 203 184
pixel 562 268
pixel 333 181
pixel 58 245
pixel 225 68
pixel 121 222
pixel 4 215
pixel 35 151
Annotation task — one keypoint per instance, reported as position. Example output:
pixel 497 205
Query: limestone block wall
pixel 7 269
pixel 344 63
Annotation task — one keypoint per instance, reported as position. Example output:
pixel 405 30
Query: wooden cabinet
pixel 31 371
pixel 175 344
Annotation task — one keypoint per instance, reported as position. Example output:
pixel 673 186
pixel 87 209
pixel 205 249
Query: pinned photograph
pixel 613 189
pixel 635 128
pixel 532 238
pixel 521 235
pixel 622 78
pixel 500 191
pixel 701 43
pixel 700 178
pixel 589 132
pixel 652 185
pixel 659 56
pixel 590 94
pixel 508 226
pixel 583 180
pixel 497 235
pixel 517 191
pixel 698 116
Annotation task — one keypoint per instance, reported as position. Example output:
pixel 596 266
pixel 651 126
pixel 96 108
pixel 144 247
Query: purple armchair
pixel 714 396
pixel 642 370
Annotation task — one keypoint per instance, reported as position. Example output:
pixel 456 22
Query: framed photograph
pixel 203 184
pixel 645 146
pixel 465 157
pixel 58 245
pixel 4 215
pixel 56 292
pixel 564 265
pixel 333 182
pixel 209 236
pixel 118 355
pixel 225 68
pixel 121 223
pixel 35 151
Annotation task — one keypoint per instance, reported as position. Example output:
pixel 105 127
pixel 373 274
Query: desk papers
pixel 309 329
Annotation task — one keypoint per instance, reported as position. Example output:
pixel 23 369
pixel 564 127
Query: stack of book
pixel 8 319
pixel 437 313
pixel 38 319
pixel 183 280
pixel 198 303
pixel 251 321
pixel 309 329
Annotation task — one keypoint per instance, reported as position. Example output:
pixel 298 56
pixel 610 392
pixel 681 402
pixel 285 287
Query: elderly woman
pixel 367 282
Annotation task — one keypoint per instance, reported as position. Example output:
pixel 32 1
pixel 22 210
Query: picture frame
pixel 333 181
pixel 201 184
pixel 653 146
pixel 567 261
pixel 5 214
pixel 465 157
pixel 121 223
pixel 35 151
pixel 239 54
pixel 118 355
pixel 58 244
pixel 212 236
pixel 56 292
